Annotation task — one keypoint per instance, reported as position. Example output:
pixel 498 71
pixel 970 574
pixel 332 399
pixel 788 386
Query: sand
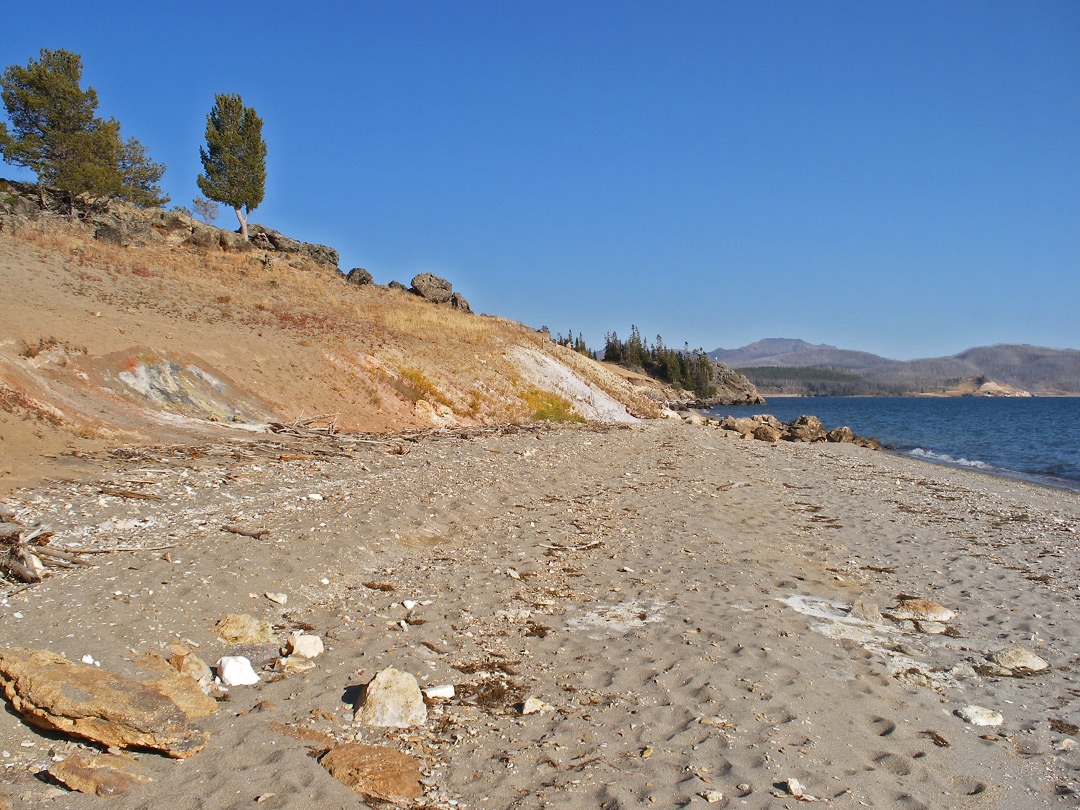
pixel 683 599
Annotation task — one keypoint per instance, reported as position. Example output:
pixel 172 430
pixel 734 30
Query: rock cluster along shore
pixel 768 428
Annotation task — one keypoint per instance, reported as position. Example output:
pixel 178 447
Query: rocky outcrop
pixel 457 301
pixel 732 388
pixel 432 288
pixel 127 225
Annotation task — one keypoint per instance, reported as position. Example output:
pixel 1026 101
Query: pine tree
pixel 234 160
pixel 140 176
pixel 56 134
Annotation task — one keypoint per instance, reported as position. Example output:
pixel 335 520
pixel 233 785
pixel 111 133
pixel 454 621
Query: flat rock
pixel 1018 659
pixel 241 628
pixel 183 690
pixel 50 692
pixel 393 700
pixel 921 610
pixel 102 775
pixel 375 771
pixel 536 706
pixel 191 666
pixel 978 716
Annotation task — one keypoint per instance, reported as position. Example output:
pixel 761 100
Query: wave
pixel 942 458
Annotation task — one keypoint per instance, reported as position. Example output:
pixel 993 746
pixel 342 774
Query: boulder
pixel 393 700
pixel 1017 660
pixel 359 276
pixel 320 254
pixel 305 645
pixel 375 771
pixel 742 425
pixel 232 242
pixel 867 441
pixel 268 239
pixel 102 775
pixel 843 435
pixel 52 693
pixel 805 429
pixel 921 610
pixel 457 301
pixel 397 285
pixel 432 288
pixel 767 433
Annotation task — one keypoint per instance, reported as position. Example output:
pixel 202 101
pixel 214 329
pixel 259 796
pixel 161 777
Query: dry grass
pixel 381 347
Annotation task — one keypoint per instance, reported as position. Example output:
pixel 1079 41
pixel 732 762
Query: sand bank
pixel 703 614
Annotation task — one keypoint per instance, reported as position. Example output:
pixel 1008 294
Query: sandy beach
pixel 701 613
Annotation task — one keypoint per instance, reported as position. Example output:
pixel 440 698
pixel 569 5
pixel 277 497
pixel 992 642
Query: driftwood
pixel 19 563
pixel 129 493
pixel 257 534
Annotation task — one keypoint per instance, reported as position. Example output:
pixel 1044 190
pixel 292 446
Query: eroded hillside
pixel 102 345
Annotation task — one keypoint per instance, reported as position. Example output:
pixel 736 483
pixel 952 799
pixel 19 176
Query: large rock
pixel 375 771
pixel 457 301
pixel 268 239
pixel 359 276
pixel 320 254
pixel 432 288
pixel 53 693
pixel 805 429
pixel 1017 661
pixel 393 700
pixel 842 435
pixel 767 433
pixel 921 610
pixel 102 775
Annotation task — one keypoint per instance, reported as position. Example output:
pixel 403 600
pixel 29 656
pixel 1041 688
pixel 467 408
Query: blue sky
pixel 895 177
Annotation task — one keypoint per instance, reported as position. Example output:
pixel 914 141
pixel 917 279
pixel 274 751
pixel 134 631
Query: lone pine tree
pixel 234 160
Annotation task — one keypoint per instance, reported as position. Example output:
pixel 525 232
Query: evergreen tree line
pixel 575 343
pixel 688 369
pixel 56 133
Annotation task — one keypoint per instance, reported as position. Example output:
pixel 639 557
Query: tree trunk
pixel 243 224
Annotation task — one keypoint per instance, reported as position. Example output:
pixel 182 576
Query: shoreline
pixel 703 614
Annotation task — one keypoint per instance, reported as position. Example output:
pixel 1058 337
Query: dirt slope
pixel 102 345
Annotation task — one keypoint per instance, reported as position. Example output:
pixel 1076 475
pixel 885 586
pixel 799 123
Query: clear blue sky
pixel 897 177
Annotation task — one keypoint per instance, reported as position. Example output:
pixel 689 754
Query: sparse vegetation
pixel 687 369
pixel 548 407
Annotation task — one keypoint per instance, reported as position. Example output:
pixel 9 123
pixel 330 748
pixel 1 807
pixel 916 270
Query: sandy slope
pixel 692 635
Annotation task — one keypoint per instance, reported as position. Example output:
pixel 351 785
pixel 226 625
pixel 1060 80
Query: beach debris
pixel 442 691
pixel 534 705
pixel 7 513
pixel 236 670
pixel 793 787
pixel 978 716
pixel 712 796
pixel 240 628
pixel 392 700
pixel 104 775
pixel 1014 662
pixel 375 772
pixel 53 693
pixel 305 645
pixel 921 610
pixel 295 663
pixel 277 598
pixel 255 534
pixel 620 618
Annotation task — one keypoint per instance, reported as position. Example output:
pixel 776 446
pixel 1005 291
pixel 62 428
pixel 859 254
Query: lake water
pixel 1037 439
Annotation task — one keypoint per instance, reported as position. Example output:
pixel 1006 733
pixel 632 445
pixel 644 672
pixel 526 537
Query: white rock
pixel 1068 744
pixel 408 604
pixel 315 496
pixel 296 663
pixel 235 670
pixel 278 598
pixel 1018 658
pixel 305 645
pixel 445 691
pixel 978 716
pixel 796 788
pixel 712 796
pixel 536 706
pixel 393 700
pixel 922 610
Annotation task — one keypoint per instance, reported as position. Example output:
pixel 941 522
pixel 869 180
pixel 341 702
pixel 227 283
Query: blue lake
pixel 1036 439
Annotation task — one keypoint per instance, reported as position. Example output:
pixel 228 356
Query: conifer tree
pixel 56 134
pixel 234 160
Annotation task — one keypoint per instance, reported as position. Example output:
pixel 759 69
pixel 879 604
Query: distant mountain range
pixel 795 366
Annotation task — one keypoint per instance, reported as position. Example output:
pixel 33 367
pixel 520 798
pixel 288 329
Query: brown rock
pixel 921 610
pixel 433 288
pixel 181 689
pixel 805 429
pixel 767 433
pixel 842 435
pixel 53 693
pixel 101 775
pixel 375 771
